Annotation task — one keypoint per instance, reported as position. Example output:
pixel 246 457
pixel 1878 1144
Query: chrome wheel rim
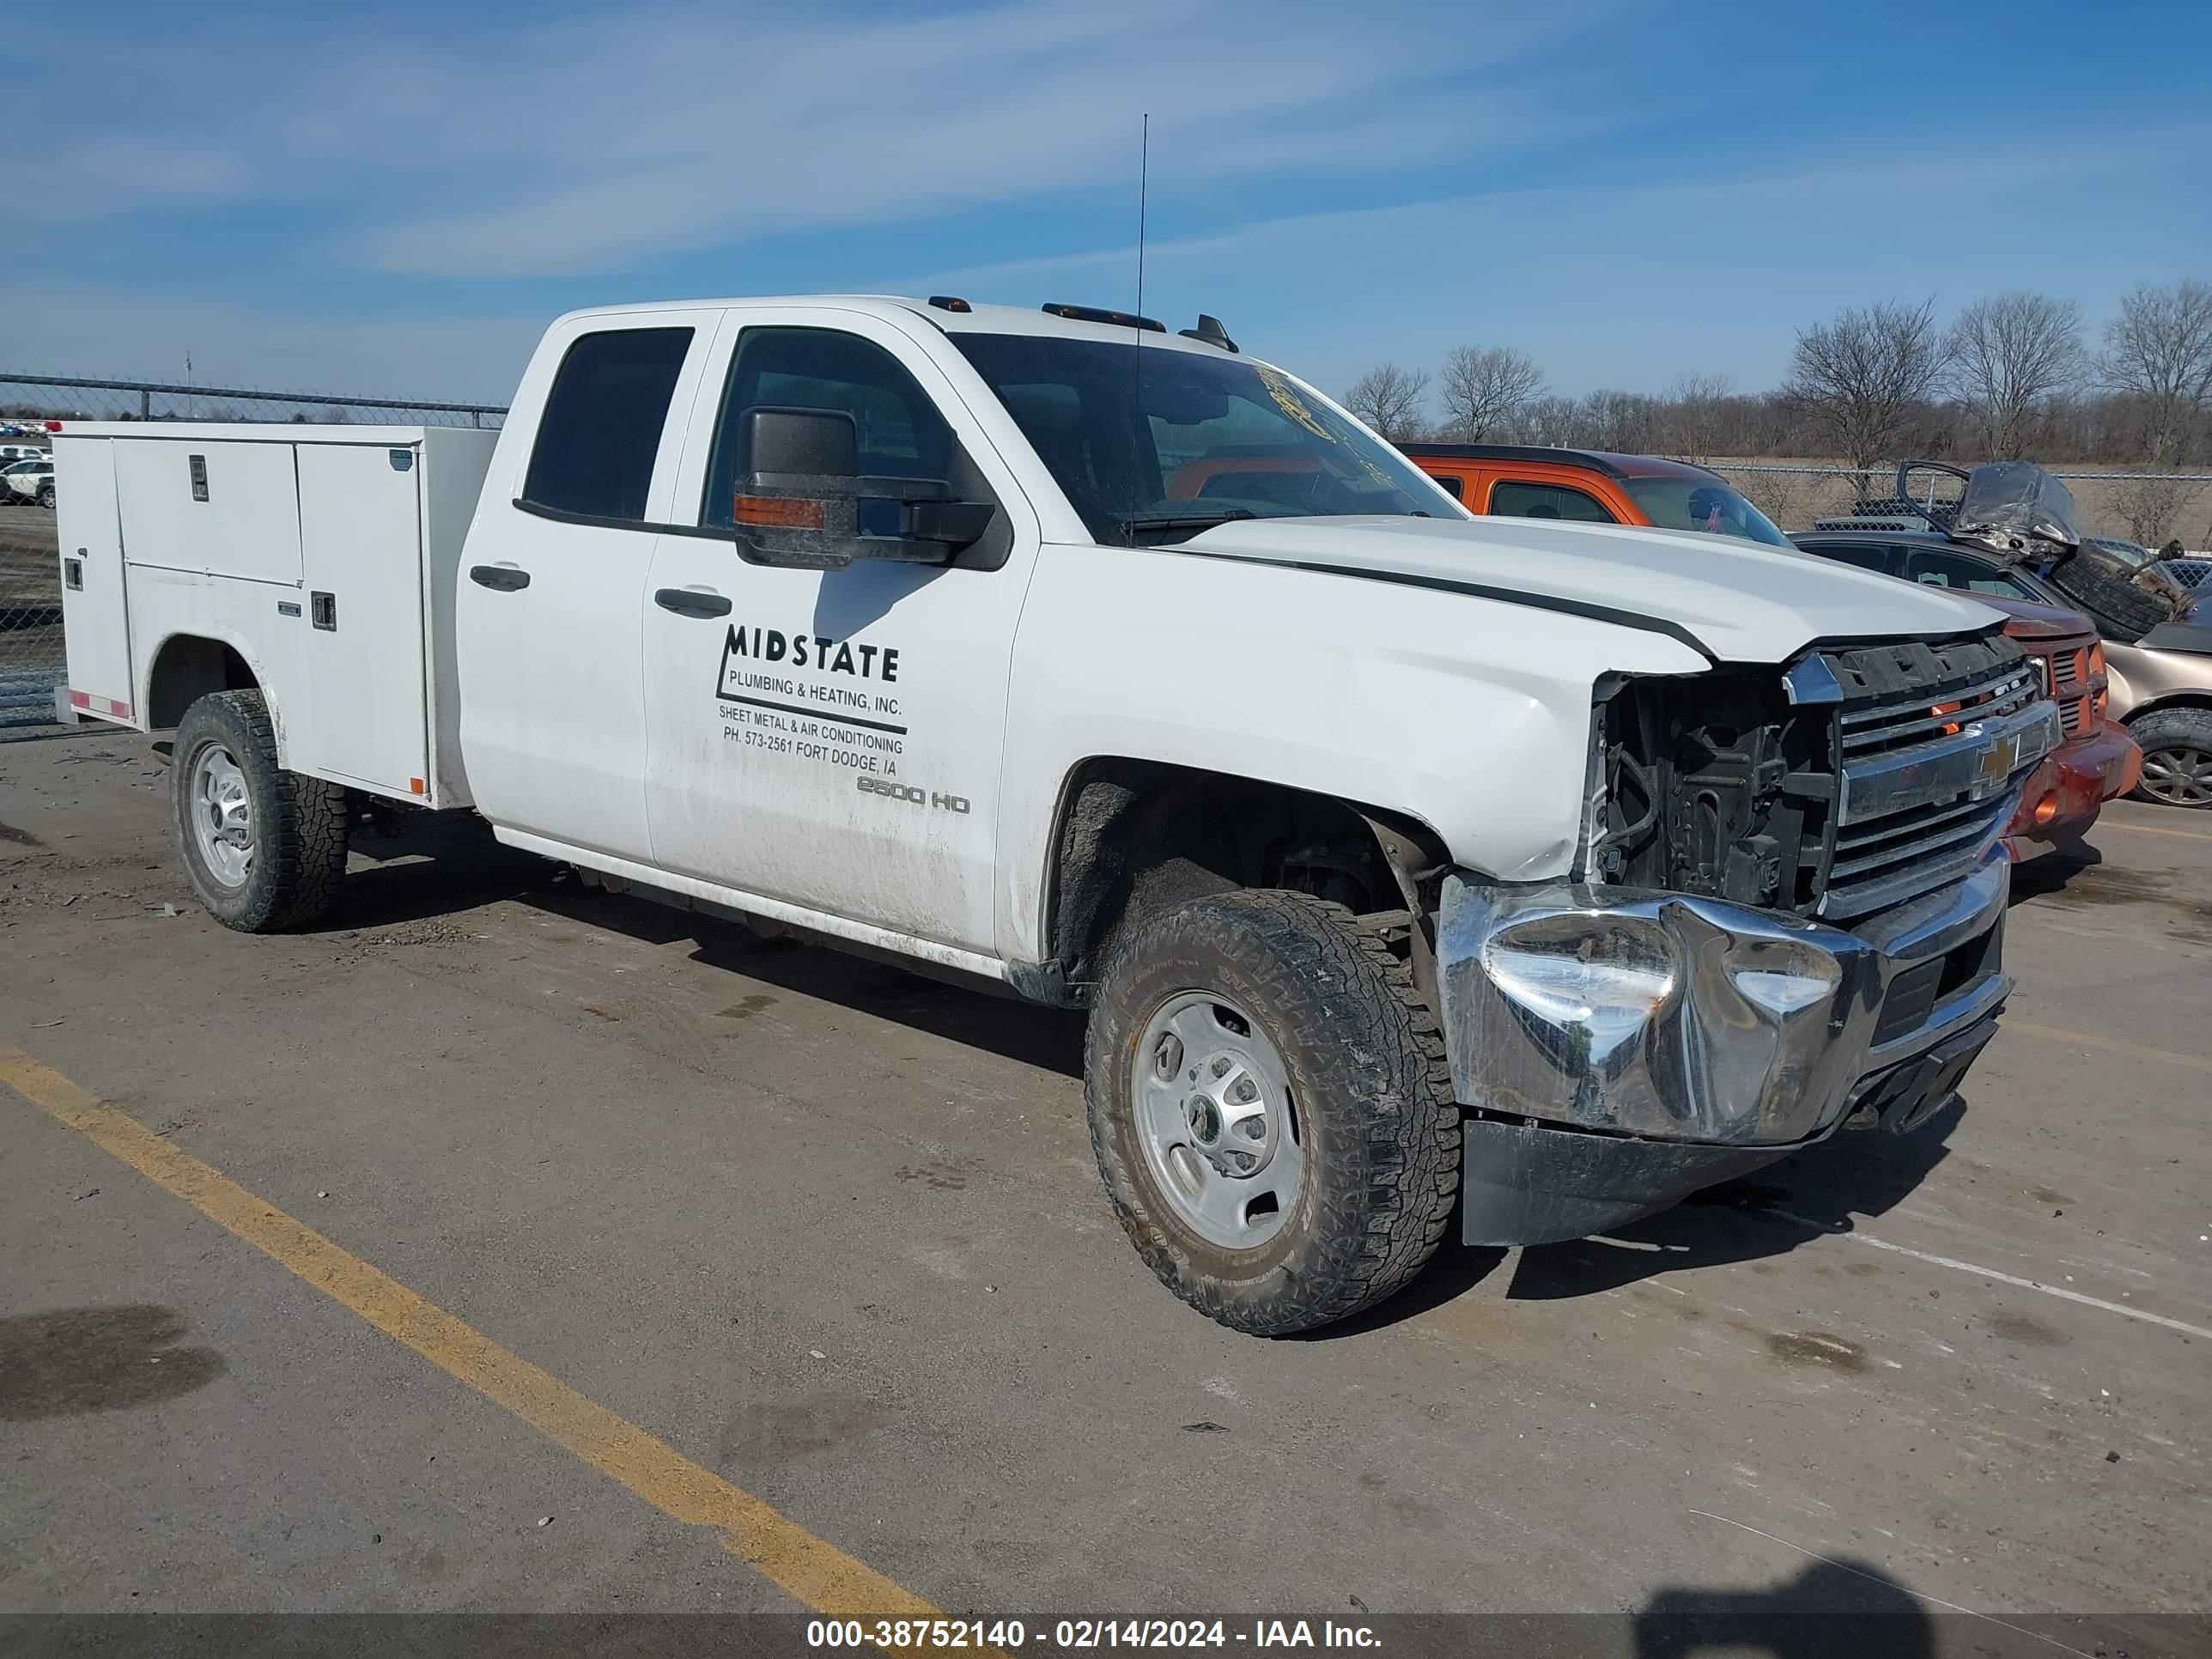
pixel 223 816
pixel 1213 1110
pixel 2178 776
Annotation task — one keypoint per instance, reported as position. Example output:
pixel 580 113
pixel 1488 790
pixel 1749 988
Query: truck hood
pixel 1736 601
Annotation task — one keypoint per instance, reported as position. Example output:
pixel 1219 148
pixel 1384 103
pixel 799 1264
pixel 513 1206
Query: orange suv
pixel 2097 761
pixel 1513 481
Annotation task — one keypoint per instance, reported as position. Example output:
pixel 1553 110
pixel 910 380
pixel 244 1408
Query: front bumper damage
pixel 2063 796
pixel 1623 1047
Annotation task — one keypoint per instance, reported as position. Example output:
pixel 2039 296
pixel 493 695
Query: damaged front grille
pixel 1928 712
pixel 1721 786
pixel 1901 856
pixel 1919 836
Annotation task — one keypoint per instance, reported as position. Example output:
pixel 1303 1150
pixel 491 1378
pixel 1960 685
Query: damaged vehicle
pixel 1398 857
pixel 2150 667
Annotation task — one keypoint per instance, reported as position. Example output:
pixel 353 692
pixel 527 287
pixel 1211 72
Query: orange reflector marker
pixel 416 787
pixel 780 511
pixel 2045 810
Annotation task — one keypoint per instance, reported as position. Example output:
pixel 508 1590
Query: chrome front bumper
pixel 1660 1030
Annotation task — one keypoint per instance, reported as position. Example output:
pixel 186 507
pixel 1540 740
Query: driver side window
pixel 901 433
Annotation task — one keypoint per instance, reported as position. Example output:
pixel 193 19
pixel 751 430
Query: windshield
pixel 1152 445
pixel 1705 504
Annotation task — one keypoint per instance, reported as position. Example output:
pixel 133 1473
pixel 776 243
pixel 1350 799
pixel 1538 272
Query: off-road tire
pixel 2188 731
pixel 1378 1123
pixel 299 823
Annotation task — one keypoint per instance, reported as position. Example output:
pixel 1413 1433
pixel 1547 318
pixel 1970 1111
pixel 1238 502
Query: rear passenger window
pixel 1533 501
pixel 600 433
pixel 1960 570
pixel 901 433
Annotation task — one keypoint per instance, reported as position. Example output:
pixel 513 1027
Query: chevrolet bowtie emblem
pixel 1997 762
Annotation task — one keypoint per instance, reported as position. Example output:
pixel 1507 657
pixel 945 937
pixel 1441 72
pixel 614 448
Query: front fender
pixel 1469 715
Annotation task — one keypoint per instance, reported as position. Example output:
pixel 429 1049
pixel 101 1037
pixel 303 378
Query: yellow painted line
pixel 2059 1033
pixel 810 1568
pixel 2150 830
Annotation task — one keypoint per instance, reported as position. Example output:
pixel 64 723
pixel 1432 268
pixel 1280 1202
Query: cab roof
pixel 1605 461
pixel 976 318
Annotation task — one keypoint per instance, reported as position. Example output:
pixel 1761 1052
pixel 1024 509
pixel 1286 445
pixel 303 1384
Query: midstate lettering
pixel 815 651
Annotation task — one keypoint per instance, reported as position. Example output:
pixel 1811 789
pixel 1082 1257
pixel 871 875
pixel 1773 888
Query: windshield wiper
pixel 1192 522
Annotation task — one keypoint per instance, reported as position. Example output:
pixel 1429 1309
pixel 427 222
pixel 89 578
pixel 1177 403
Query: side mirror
pixel 805 505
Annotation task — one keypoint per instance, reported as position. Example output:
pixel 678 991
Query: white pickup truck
pixel 1402 860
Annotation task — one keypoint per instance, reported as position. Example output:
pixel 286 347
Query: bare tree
pixel 1696 410
pixel 1861 376
pixel 2008 357
pixel 2149 508
pixel 2159 348
pixel 1551 419
pixel 1625 420
pixel 1389 398
pixel 1485 387
pixel 1777 495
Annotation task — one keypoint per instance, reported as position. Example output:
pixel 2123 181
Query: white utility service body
pixel 961 728
pixel 201 532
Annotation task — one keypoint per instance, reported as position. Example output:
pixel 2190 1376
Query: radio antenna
pixel 1144 182
pixel 1137 330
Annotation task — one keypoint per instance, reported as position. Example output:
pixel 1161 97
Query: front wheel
pixel 46 496
pixel 2177 751
pixel 1271 1109
pixel 265 849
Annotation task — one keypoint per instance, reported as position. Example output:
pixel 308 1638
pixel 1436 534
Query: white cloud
pixel 603 142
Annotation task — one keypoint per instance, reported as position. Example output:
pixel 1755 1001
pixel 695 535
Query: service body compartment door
pixel 360 638
pixel 221 508
pixel 95 619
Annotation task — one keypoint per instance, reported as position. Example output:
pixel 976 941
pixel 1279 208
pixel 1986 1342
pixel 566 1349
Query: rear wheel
pixel 46 494
pixel 265 849
pixel 2177 751
pixel 1271 1109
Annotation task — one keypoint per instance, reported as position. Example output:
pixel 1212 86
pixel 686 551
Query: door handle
pixel 692 602
pixel 500 578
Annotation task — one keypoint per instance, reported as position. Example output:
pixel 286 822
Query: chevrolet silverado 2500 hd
pixel 1398 856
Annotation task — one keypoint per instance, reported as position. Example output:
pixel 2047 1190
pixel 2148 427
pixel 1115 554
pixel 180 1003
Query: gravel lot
pixel 833 1233
pixel 31 649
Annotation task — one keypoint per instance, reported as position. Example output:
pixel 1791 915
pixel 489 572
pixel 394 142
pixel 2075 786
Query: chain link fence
pixel 33 663
pixel 2148 507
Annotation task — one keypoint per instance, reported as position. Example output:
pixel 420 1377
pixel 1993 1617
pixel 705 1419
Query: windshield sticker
pixel 1287 399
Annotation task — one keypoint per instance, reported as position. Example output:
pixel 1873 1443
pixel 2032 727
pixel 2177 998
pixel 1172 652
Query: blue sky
pixel 393 198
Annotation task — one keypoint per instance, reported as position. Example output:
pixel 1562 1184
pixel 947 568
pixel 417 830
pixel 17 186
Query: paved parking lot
pixel 829 1236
